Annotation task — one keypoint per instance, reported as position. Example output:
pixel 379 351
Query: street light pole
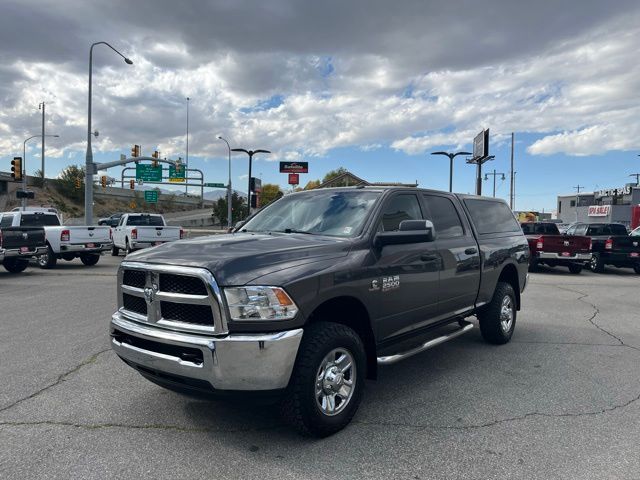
pixel 494 174
pixel 451 157
pixel 251 153
pixel 41 105
pixel 186 183
pixel 24 165
pixel 89 166
pixel 229 194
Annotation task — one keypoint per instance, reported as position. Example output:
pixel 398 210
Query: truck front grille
pixel 176 298
pixel 183 312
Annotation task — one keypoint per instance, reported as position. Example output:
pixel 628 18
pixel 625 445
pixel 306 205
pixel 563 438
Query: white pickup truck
pixel 64 242
pixel 142 230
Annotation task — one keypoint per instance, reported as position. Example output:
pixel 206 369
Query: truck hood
pixel 236 259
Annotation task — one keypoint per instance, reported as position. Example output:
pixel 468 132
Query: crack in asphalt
pixel 61 378
pixel 502 420
pixel 596 312
pixel 151 426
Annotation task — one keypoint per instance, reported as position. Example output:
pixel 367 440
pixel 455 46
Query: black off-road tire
pixel 492 327
pixel 48 260
pixel 15 265
pixel 114 251
pixel 636 269
pixel 298 406
pixel 89 259
pixel 575 268
pixel 596 264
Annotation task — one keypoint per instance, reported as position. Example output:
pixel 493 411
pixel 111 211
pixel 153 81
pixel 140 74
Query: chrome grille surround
pixel 153 297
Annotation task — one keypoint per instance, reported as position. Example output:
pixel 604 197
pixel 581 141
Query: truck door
pixel 404 278
pixel 458 250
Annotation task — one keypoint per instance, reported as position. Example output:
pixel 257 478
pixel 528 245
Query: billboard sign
pixel 294 179
pixel 599 210
pixel 481 144
pixel 294 167
pixel 148 173
pixel 151 196
pixel 176 173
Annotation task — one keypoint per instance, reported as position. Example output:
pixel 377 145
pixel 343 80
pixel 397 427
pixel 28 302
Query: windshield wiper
pixel 293 230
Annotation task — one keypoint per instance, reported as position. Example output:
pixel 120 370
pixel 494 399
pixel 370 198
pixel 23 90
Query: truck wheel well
pixel 510 275
pixel 351 312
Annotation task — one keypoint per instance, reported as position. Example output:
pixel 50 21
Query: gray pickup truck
pixel 314 293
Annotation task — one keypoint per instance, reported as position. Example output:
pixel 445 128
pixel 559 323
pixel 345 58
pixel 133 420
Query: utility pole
pixel 494 174
pixel 637 175
pixel 512 188
pixel 514 191
pixel 578 188
pixel 186 183
pixel 43 136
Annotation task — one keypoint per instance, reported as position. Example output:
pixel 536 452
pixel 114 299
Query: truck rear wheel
pixel 637 269
pixel 89 259
pixel 533 265
pixel 327 382
pixel 15 265
pixel 498 318
pixel 114 251
pixel 47 260
pixel 575 268
pixel 596 264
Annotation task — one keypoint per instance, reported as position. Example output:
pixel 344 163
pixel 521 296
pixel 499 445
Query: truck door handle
pixel 427 257
pixel 471 251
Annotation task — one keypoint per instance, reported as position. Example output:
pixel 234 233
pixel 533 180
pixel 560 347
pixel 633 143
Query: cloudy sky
pixel 374 86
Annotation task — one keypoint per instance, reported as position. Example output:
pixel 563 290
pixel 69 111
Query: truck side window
pixel 399 208
pixel 444 216
pixel 7 220
pixel 491 216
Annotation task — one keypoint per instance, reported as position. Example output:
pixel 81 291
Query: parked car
pixel 141 230
pixel 111 221
pixel 318 289
pixel 18 244
pixel 64 242
pixel 550 248
pixel 611 245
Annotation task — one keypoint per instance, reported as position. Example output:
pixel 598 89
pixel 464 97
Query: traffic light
pixel 16 168
pixel 155 154
pixel 135 151
pixel 154 163
pixel 78 183
pixel 103 181
pixel 132 184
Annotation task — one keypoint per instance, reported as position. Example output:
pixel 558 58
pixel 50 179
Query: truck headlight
pixel 259 303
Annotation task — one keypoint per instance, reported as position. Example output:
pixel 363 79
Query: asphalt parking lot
pixel 560 401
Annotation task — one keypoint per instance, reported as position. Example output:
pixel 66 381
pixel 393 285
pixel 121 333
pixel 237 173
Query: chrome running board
pixel 391 359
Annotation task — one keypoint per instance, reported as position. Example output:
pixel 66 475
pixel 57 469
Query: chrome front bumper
pixel 233 362
pixel 9 253
pixel 582 257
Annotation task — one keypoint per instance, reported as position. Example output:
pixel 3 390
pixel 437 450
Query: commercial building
pixel 615 205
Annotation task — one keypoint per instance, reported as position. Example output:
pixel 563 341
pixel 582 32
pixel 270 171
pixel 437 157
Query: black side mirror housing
pixel 410 231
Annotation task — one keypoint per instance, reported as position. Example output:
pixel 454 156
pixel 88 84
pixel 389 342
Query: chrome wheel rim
pixel 594 263
pixel 43 259
pixel 335 382
pixel 506 314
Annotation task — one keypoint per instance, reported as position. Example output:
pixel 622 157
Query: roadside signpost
pixel 151 196
pixel 294 167
pixel 215 185
pixel 148 173
pixel 294 179
pixel 480 156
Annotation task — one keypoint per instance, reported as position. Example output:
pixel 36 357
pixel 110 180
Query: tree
pixel 270 192
pixel 238 209
pixel 333 174
pixel 311 184
pixel 68 181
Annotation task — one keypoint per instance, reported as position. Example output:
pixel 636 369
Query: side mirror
pixel 410 231
pixel 238 225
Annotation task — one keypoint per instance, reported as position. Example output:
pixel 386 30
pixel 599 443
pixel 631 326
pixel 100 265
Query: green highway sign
pixel 151 196
pixel 176 175
pixel 148 173
pixel 215 185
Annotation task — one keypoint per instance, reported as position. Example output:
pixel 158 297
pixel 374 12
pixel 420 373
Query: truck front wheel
pixel 47 260
pixel 596 264
pixel 498 318
pixel 327 382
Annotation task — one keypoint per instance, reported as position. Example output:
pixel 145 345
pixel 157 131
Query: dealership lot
pixel 562 400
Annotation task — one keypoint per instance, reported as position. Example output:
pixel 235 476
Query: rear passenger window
pixel 6 221
pixel 399 208
pixel 444 216
pixel 491 216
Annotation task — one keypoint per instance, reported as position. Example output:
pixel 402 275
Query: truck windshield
pixel 38 220
pixel 332 213
pixel 607 229
pixel 145 220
